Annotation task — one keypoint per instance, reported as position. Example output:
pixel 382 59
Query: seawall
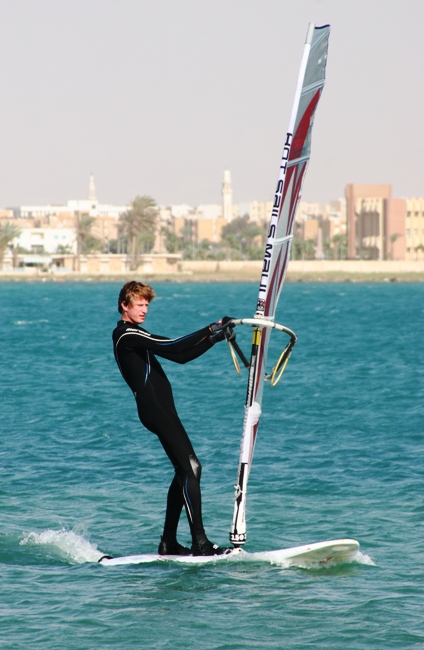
pixel 241 271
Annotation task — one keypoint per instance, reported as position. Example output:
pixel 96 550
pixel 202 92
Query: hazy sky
pixel 158 97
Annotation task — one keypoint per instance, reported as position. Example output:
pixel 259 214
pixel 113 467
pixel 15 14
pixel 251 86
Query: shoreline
pixel 220 276
pixel 152 269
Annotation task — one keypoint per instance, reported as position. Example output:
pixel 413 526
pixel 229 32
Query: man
pixel 135 353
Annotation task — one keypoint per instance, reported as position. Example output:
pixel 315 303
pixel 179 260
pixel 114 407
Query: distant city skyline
pixel 160 98
pixel 84 202
pixel 369 223
pixel 91 202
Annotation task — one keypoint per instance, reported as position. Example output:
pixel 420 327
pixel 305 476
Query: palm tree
pixel 340 246
pixel 298 249
pixel 136 224
pixel 419 248
pixel 310 248
pixel 8 232
pixel 86 242
pixel 173 243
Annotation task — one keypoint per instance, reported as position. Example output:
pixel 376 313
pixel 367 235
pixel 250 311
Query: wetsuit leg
pixel 174 506
pixel 176 443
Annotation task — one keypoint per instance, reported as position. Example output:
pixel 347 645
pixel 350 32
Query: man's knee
pixel 195 466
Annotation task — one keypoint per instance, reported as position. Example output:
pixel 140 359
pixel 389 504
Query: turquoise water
pixel 339 454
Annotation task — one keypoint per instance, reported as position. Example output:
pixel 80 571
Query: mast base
pixel 238 539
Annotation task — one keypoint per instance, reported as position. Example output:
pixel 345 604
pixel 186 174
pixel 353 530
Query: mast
pixel 292 171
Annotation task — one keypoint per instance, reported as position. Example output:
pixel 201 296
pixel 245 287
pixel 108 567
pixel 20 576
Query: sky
pixel 159 97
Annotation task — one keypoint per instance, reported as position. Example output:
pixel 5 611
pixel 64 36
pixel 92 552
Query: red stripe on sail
pixel 297 186
pixel 303 128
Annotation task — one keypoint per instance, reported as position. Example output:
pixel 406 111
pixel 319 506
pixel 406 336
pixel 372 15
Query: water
pixel 339 454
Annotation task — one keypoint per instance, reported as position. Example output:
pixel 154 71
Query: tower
pixel 92 190
pixel 227 196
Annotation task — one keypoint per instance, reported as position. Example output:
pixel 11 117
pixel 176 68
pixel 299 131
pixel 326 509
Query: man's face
pixel 136 311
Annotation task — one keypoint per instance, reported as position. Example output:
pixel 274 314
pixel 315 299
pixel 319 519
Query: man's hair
pixel 134 290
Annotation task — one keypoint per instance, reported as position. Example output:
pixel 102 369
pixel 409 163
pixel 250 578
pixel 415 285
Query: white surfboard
pixel 320 553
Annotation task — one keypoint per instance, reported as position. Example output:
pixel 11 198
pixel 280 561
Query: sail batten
pixel 292 169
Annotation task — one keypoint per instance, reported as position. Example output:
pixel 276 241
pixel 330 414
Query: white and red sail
pixel 292 171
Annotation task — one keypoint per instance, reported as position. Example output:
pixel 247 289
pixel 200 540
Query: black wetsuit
pixel 135 353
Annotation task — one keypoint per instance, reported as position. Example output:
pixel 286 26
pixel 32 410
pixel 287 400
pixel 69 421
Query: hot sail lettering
pixel 277 199
pixel 286 151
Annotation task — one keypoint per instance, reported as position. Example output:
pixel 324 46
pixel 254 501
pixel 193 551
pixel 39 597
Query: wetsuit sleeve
pixel 188 354
pixel 181 350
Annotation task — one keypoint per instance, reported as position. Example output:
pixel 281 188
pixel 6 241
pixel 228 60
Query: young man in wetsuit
pixel 135 353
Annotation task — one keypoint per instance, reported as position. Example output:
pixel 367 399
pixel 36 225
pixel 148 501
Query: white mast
pixel 292 170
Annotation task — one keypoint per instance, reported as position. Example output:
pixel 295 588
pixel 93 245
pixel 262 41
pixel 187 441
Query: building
pixel 376 223
pixel 50 229
pixel 323 226
pixel 414 229
pixel 258 211
pixel 192 225
pixel 47 240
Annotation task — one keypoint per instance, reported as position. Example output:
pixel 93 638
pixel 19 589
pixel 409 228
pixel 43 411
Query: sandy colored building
pixel 414 230
pixel 320 223
pixel 197 229
pixel 376 223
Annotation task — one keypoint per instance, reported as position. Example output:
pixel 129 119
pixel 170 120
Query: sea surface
pixel 340 453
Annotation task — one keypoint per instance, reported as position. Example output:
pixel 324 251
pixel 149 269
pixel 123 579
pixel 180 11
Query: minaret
pixel 319 253
pixel 227 196
pixel 92 190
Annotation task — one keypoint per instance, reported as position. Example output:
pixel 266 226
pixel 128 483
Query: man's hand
pixel 222 330
pixel 227 320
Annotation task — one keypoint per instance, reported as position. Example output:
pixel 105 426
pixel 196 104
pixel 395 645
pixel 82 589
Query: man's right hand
pixel 227 320
pixel 222 330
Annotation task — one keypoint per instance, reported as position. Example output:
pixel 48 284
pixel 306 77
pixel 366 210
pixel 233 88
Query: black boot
pixel 172 548
pixel 205 547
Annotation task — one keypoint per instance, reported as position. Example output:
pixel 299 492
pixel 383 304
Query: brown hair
pixel 133 290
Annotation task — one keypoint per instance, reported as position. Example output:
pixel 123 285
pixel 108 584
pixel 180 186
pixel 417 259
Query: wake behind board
pixel 336 551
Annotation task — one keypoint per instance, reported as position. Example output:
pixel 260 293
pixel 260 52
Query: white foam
pixel 67 542
pixel 30 322
pixel 363 558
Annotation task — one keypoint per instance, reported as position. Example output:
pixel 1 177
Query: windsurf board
pixel 334 551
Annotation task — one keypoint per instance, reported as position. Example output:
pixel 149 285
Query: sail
pixel 292 171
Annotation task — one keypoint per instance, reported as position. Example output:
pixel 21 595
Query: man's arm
pixel 180 350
